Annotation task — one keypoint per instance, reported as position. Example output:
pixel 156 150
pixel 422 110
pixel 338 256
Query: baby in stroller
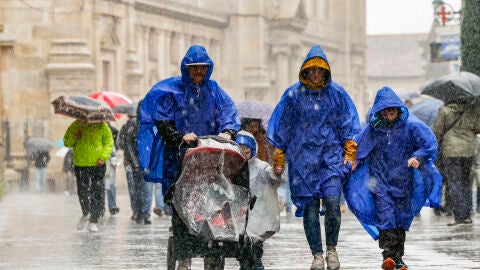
pixel 211 200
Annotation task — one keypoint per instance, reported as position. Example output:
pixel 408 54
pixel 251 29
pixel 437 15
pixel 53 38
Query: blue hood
pixel 196 54
pixel 386 98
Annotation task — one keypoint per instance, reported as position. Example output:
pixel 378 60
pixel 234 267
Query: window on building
pixel 106 75
pixel 152 45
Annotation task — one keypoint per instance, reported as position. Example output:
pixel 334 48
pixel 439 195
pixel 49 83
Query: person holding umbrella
pixel 92 145
pixel 39 153
pixel 455 128
pixel 41 159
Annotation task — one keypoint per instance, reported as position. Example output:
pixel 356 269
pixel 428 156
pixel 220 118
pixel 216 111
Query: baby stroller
pixel 210 200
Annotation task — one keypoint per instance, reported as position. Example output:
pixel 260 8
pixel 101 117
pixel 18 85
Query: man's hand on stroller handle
pixel 189 137
pixel 226 136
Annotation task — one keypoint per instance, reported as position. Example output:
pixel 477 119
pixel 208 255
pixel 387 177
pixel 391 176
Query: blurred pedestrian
pixel 92 145
pixel 264 219
pixel 138 190
pixel 110 174
pixel 41 159
pixel 111 171
pixel 392 147
pixel 69 171
pixel 455 128
pixel 176 110
pixel 314 125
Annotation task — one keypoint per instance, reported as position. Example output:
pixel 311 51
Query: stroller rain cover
pixel 207 201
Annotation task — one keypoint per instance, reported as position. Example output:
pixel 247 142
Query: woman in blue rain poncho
pixel 395 176
pixel 314 125
pixel 179 109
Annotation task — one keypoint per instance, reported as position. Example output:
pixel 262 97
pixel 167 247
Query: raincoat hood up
pixel 203 109
pixel 382 155
pixel 311 125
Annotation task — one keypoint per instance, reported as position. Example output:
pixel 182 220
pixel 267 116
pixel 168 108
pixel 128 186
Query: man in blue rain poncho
pixel 395 176
pixel 180 109
pixel 314 125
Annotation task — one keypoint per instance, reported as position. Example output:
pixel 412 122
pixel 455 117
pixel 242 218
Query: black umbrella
pixel 451 87
pixel 83 108
pixel 36 144
pixel 129 109
pixel 426 110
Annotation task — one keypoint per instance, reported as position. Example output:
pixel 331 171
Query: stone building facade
pixel 58 47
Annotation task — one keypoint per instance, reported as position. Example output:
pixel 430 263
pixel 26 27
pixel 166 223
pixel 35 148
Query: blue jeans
pixel 111 190
pixel 159 199
pixel 311 223
pixel 139 191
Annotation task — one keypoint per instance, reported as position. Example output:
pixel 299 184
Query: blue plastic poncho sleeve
pixel 277 134
pixel 227 117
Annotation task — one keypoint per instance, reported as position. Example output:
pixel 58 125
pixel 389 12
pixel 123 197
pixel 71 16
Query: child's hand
pixel 413 162
pixel 278 170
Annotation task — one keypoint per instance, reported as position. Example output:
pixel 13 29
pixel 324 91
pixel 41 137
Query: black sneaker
pixel 400 264
pixel 114 210
pixel 454 222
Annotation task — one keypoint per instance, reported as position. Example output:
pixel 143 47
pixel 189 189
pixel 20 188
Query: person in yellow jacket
pixel 92 144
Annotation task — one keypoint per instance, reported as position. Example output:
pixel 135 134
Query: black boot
pixel 257 255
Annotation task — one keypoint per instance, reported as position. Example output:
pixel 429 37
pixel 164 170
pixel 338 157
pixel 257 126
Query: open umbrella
pixel 111 98
pixel 129 109
pixel 36 144
pixel 83 108
pixel 426 110
pixel 255 110
pixel 450 87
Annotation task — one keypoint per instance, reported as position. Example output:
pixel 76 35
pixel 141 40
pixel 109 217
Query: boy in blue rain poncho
pixel 314 125
pixel 395 176
pixel 179 109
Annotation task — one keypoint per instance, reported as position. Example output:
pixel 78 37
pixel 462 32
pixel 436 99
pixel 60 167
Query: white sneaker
pixel 92 227
pixel 82 222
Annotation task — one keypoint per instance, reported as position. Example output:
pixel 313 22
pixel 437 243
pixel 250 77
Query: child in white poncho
pixel 264 219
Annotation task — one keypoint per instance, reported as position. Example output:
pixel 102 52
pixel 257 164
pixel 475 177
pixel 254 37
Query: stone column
pixel 133 73
pixel 7 44
pixel 280 54
pixel 69 72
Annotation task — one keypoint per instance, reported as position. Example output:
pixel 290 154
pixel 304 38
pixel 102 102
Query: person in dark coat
pixel 395 176
pixel 140 194
pixel 456 126
pixel 176 110
pixel 314 125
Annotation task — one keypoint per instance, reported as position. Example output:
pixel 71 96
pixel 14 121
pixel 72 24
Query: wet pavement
pixel 39 232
